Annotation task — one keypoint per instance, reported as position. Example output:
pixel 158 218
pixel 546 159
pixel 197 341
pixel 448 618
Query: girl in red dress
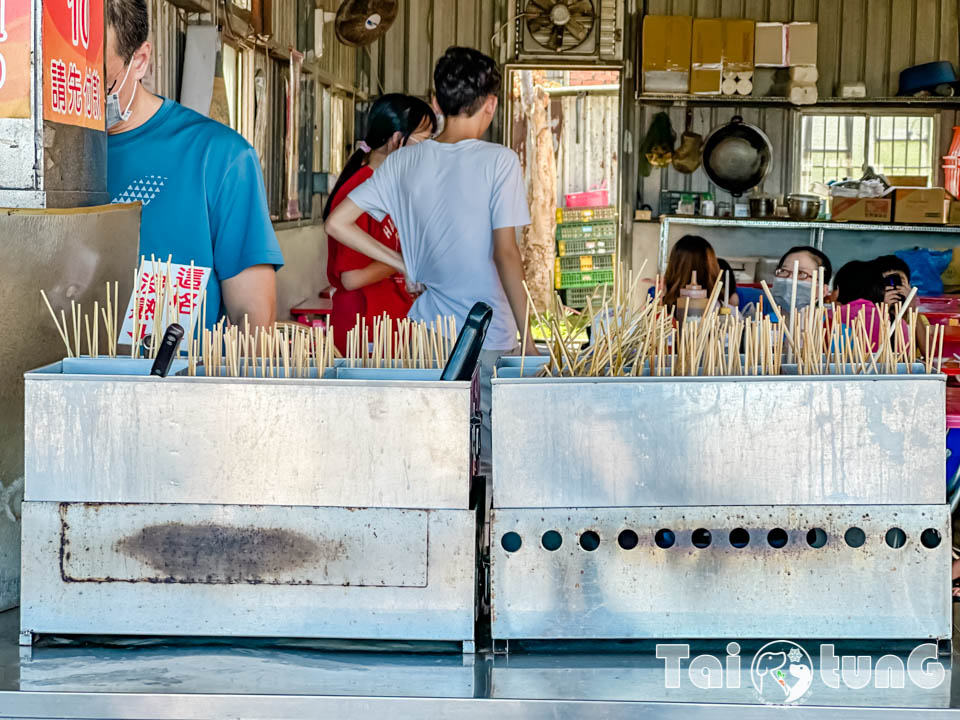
pixel 365 287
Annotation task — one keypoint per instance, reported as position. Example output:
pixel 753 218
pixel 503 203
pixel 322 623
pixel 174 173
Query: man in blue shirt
pixel 199 181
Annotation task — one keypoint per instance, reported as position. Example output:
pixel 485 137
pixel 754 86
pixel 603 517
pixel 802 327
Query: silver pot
pixel 803 207
pixel 762 207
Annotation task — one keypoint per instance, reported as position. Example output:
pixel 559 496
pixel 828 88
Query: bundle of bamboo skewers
pixel 167 309
pixel 646 338
pixel 282 351
pixel 401 343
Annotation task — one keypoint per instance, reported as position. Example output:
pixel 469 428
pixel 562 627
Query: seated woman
pixel 860 291
pixel 809 260
pixel 692 254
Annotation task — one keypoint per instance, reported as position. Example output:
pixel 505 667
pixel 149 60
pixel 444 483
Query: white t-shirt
pixel 446 199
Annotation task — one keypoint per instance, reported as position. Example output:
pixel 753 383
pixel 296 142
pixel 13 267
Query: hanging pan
pixel 737 156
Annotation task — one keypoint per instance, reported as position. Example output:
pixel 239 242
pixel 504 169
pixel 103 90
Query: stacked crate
pixel 586 246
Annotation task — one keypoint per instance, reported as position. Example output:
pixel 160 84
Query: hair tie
pixel 363 146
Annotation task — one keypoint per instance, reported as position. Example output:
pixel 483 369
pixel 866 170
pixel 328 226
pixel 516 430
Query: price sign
pixel 73 62
pixel 185 291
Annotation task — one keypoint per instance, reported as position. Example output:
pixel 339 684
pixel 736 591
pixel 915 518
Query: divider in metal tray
pixel 508 368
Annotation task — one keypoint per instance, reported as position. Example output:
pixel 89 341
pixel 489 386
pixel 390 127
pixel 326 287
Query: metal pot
pixel 737 156
pixel 803 207
pixel 762 207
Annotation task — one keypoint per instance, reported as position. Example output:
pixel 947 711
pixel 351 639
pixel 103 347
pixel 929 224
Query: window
pixel 834 147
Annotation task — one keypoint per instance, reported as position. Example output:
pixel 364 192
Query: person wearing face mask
pixel 199 181
pixel 366 287
pixel 809 260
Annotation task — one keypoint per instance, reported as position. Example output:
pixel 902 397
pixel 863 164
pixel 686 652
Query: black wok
pixel 737 156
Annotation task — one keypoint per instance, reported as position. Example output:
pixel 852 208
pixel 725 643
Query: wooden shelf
pixel 681 100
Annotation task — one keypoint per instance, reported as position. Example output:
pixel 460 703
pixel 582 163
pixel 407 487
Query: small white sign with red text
pixel 184 297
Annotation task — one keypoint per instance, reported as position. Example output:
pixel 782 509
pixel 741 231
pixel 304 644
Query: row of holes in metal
pixel 701 538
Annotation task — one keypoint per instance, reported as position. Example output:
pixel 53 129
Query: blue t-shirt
pixel 202 192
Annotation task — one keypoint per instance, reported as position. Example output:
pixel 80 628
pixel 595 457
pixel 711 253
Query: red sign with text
pixel 14 58
pixel 73 62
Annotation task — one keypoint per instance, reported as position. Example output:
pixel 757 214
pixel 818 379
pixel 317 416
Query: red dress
pixel 386 296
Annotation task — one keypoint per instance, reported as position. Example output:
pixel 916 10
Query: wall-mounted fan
pixel 559 25
pixel 361 22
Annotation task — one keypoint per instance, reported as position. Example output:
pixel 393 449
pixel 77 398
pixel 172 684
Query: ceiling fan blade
pixel 539 5
pixel 539 23
pixel 577 30
pixel 581 6
pixel 556 39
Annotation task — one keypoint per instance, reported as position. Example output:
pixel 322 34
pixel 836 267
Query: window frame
pixel 870 116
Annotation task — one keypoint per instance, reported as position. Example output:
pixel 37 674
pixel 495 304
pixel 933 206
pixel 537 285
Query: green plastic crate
pixel 584 279
pixel 583 263
pixel 579 296
pixel 587 231
pixel 586 247
pixel 567 215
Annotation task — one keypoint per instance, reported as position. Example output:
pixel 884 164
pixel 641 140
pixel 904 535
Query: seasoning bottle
pixel 692 301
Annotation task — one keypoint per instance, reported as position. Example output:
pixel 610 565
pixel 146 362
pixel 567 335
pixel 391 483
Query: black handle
pixel 168 350
pixel 466 352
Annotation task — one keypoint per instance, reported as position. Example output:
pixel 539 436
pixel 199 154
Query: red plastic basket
pixel 939 304
pixel 590 198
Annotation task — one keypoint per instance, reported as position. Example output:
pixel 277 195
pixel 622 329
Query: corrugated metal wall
pixel 859 40
pixel 403 59
pixel 593 157
pixel 777 123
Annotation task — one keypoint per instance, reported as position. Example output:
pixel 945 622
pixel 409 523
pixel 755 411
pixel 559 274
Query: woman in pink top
pixel 860 292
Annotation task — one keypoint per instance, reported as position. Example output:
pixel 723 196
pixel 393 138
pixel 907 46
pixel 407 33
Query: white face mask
pixel 114 114
pixel 783 289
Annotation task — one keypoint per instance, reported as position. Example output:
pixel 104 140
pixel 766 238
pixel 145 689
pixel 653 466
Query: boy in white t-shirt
pixel 456 202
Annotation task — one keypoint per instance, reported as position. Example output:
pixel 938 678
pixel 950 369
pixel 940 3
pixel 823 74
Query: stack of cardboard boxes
pixel 712 56
pixel 908 201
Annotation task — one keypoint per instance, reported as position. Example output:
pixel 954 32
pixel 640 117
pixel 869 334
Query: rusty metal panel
pixel 613 576
pixel 69 253
pixel 613 442
pixel 343 443
pixel 242 544
pixel 442 609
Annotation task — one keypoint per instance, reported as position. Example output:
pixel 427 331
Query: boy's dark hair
pixel 464 78
pixel 822 260
pixel 891 263
pixel 130 21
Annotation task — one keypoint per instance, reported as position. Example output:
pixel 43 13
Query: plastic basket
pixel 579 297
pixel 590 198
pixel 583 279
pixel 583 263
pixel 600 230
pixel 579 215
pixel 586 247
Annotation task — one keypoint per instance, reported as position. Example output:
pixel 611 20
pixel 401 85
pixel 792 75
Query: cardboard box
pixel 706 57
pixel 844 209
pixel 739 39
pixel 920 205
pixel 907 180
pixel 666 53
pixel 802 44
pixel 770 45
pixel 953 217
